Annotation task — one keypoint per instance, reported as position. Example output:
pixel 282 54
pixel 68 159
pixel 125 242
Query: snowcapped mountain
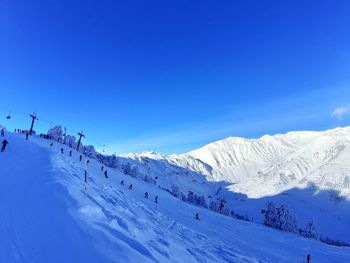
pixel 307 170
pixel 268 165
pixel 51 212
pixel 273 164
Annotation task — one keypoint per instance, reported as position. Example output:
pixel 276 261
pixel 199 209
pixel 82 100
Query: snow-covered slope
pixel 309 171
pixel 48 214
pixel 273 164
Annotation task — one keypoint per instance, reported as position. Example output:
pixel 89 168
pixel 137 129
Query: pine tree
pixel 175 191
pixel 190 197
pixel 89 151
pixel 311 230
pixel 71 141
pixel 280 218
pixel 213 206
pixel 270 214
pixel 56 133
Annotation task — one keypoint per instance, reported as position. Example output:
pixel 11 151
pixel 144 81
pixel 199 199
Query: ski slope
pixel 48 216
pixel 308 171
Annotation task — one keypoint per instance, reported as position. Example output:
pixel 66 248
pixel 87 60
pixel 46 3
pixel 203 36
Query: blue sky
pixel 171 76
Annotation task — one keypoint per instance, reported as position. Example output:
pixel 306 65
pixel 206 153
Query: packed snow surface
pixel 48 213
pixel 309 171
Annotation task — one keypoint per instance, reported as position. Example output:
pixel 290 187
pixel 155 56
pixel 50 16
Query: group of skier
pixel 45 136
pixel 21 131
pixel 155 199
pixel 5 143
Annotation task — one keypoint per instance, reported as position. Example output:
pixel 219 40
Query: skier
pixel 308 258
pixel 146 195
pixel 51 144
pixel 70 153
pixel 27 134
pixel 122 182
pixel 87 162
pixel 197 216
pixel 85 176
pixel 62 150
pixel 130 187
pixel 2 132
pixel 106 174
pixel 156 199
pixel 221 205
pixel 4 144
pixel 80 157
pixel 102 168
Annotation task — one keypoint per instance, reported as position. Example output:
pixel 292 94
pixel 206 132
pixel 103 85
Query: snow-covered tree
pixel 129 169
pixel 240 217
pixel 286 220
pixel 174 190
pixel 214 206
pixel 183 196
pixel 148 178
pixel 56 133
pixel 200 200
pixel 89 151
pixel 310 230
pixel 196 199
pixel 71 141
pixel 280 218
pixel 225 211
pixel 108 160
pixel 270 214
pixel 190 197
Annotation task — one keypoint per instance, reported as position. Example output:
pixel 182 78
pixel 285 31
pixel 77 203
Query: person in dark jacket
pixel 106 174
pixel 70 153
pixel 146 195
pixel 62 150
pixel 27 134
pixel 102 168
pixel 130 187
pixel 222 204
pixel 156 199
pixel 122 182
pixel 197 216
pixel 4 144
pixel 80 157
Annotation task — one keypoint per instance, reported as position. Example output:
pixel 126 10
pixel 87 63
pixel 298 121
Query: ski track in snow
pixel 49 216
pixel 308 171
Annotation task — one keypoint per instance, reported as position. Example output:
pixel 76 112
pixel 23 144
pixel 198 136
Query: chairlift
pixel 9 116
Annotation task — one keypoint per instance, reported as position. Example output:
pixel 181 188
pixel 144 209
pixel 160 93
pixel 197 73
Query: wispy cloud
pixel 339 112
